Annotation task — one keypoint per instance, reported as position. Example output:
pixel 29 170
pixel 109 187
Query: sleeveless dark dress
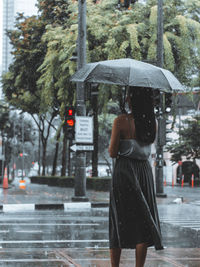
pixel 133 214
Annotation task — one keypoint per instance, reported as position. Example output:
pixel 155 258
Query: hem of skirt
pixel 134 246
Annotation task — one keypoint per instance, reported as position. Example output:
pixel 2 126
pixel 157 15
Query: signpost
pixel 82 148
pixel 83 143
pixel 84 130
pixel 159 150
pixel 80 172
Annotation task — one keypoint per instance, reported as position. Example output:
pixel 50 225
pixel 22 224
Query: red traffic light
pixel 21 154
pixel 70 112
pixel 70 122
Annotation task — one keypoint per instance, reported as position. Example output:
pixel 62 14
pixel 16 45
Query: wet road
pixel 48 238
pixel 56 229
pixel 80 238
pixel 71 238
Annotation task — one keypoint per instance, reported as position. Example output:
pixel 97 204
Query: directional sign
pixel 84 130
pixel 82 148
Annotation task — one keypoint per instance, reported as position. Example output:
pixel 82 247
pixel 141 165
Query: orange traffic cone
pixel 22 184
pixel 172 181
pixel 192 182
pixel 182 181
pixel 5 179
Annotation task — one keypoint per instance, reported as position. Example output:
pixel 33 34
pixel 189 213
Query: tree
pixel 189 141
pixel 111 34
pixel 54 12
pixel 11 133
pixel 20 83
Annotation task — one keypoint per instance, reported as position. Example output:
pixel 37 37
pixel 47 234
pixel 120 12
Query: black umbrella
pixel 128 72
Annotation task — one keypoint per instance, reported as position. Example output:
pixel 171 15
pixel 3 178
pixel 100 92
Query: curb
pixel 70 206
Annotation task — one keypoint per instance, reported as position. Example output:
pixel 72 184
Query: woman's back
pixel 127 129
pixel 123 128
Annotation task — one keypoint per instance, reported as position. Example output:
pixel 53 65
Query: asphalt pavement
pixel 62 233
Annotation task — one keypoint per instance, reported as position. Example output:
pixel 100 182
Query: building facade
pixel 10 10
pixel 8 23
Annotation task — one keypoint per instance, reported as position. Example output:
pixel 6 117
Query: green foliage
pixel 54 11
pixel 189 142
pixel 38 81
pixel 19 84
pixel 11 130
pixel 43 46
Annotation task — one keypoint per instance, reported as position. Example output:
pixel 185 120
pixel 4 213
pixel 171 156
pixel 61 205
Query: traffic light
pixel 70 122
pixel 168 102
pixel 156 101
pixel 168 130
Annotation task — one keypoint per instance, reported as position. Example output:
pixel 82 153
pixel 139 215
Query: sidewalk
pixel 181 241
pixel 44 194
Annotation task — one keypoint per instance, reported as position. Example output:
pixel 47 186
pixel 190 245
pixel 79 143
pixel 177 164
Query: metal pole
pixel 159 149
pixel 14 143
pixel 2 167
pixel 22 147
pixel 39 145
pixel 80 168
pixel 160 34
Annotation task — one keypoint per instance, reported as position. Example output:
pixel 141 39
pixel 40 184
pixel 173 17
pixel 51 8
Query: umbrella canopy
pixel 127 72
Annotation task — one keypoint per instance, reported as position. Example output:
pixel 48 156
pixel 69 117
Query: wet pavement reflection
pixel 80 237
pixel 60 238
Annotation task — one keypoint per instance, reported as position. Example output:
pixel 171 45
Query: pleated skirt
pixel 133 214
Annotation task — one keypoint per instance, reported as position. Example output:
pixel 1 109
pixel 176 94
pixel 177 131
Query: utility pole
pixel 22 147
pixel 160 34
pixel 161 119
pixel 80 168
pixel 39 146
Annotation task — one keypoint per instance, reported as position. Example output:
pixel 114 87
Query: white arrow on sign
pixel 73 148
pixel 82 148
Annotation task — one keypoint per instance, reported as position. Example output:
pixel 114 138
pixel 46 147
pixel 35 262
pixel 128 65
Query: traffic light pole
pixel 159 149
pixel 160 34
pixel 80 168
pixel 22 147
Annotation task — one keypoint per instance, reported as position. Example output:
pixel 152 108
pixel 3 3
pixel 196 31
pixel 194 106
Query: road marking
pixel 31 231
pixel 50 224
pixel 184 223
pixel 181 220
pixel 34 260
pixel 77 206
pixel 18 207
pixel 95 249
pixel 51 241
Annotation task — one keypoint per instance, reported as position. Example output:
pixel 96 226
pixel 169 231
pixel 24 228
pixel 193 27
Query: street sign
pixel 84 130
pixel 82 148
